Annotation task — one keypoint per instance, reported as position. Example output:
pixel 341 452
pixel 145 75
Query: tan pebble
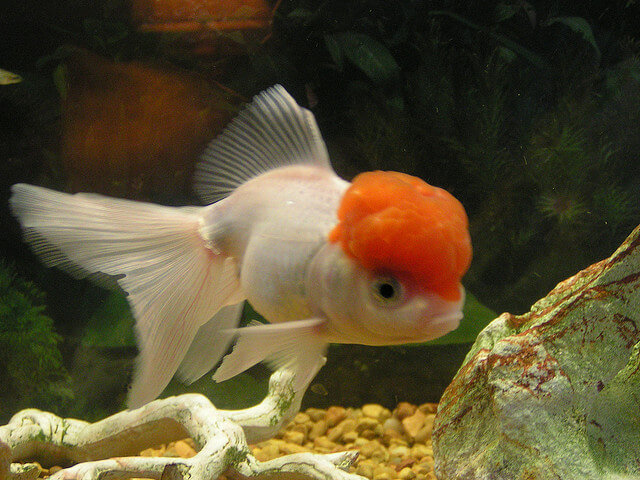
pixel 406 474
pixel 406 462
pixel 278 442
pixel 383 476
pixel 302 428
pixel 423 467
pixel 358 442
pixel 153 452
pixel 379 453
pixel 270 450
pixel 404 410
pixel 259 454
pixel 389 435
pixel 398 441
pixel 319 428
pixel 424 434
pixel 366 423
pixel 316 414
pixel 324 443
pixel 393 424
pixel 369 434
pixel 293 448
pixel 368 449
pixel 335 415
pixel 378 469
pixel 371 410
pixel 383 473
pixel 349 437
pixel 375 411
pixel 302 418
pixel 400 451
pixel 419 451
pixel 428 408
pixel 354 413
pixel 413 423
pixel 183 449
pixel 349 424
pixel 293 436
pixel 365 468
pixel 334 434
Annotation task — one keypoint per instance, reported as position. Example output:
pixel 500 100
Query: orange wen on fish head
pixel 396 223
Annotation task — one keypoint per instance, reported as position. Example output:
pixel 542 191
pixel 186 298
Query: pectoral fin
pixel 295 345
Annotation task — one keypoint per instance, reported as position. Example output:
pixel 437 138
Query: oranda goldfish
pixel 377 261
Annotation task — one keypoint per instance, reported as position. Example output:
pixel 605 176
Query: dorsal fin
pixel 271 132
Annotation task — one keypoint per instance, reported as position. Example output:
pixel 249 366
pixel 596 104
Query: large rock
pixel 555 393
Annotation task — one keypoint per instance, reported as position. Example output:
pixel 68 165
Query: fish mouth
pixel 449 317
pixel 443 316
pixel 439 325
pixel 430 328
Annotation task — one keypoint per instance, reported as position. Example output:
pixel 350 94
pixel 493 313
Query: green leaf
pixel 334 50
pixel 60 80
pixel 524 52
pixel 506 55
pixel 504 11
pixel 396 102
pixel 367 54
pixel 9 78
pixel 476 317
pixel 300 14
pixel 111 325
pixel 580 26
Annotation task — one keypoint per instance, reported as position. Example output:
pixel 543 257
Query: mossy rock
pixel 552 393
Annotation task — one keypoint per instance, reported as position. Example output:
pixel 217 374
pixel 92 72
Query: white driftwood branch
pixel 104 449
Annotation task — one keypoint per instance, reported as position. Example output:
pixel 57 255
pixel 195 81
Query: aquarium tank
pixel 527 113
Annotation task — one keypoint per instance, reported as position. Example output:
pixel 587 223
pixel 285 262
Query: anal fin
pixel 211 341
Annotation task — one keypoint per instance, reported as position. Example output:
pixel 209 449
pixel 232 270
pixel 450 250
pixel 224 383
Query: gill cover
pixel 395 223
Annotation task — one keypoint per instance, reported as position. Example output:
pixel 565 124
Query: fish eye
pixel 386 290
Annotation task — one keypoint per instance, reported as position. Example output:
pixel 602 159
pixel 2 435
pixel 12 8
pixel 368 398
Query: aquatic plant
pixel 32 373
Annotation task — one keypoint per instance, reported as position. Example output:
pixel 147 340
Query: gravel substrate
pixel 392 444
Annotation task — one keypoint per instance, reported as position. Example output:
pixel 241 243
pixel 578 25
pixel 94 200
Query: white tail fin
pixel 174 282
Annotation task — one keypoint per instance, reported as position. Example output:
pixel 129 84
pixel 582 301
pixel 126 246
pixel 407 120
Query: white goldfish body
pixel 375 262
